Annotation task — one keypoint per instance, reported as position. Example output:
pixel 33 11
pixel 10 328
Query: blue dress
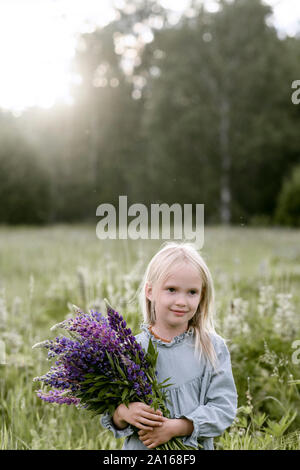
pixel 206 397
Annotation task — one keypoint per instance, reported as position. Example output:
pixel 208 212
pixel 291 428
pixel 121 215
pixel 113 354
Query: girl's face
pixel 176 300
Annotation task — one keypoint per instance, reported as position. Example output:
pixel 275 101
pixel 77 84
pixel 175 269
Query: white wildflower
pixel 31 287
pixel 58 325
pixel 42 344
pixel 83 278
pixel 16 306
pixel 270 357
pixel 266 299
pixel 235 322
pixel 62 288
pixel 3 309
pixel 13 340
pixel 2 353
pixel 286 322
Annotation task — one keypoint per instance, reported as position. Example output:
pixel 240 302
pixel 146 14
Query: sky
pixel 35 63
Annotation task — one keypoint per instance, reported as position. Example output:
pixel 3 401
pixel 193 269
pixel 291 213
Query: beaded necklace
pixel 150 328
pixel 156 336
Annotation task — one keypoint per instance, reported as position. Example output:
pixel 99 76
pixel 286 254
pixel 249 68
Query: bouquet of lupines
pixel 101 365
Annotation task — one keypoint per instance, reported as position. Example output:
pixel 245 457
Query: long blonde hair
pixel 168 257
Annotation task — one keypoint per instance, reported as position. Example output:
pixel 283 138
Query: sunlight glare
pixel 37 44
pixel 38 41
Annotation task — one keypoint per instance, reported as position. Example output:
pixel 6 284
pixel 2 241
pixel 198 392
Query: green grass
pixel 46 270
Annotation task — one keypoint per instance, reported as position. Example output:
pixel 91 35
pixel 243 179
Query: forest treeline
pixel 199 111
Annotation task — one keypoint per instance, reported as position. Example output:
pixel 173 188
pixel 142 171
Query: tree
pixel 218 115
pixel 24 186
pixel 105 109
pixel 288 207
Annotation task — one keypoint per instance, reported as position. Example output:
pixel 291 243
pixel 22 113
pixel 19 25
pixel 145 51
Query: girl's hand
pixel 159 435
pixel 139 415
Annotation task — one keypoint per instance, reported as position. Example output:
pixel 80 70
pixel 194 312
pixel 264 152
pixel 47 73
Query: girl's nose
pixel 180 301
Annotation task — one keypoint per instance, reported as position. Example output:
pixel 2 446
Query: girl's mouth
pixel 179 313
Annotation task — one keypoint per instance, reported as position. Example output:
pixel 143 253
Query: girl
pixel 177 300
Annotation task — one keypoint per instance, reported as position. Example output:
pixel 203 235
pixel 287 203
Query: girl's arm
pixel 182 427
pixel 123 420
pixel 118 421
pixel 137 414
pixel 217 414
pixel 169 429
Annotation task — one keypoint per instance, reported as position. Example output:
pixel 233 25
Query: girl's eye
pixel 172 289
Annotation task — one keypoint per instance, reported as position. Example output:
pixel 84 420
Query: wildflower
pixel 266 299
pixel 55 396
pixel 235 321
pixel 31 287
pixel 286 322
pixel 3 309
pixel 100 366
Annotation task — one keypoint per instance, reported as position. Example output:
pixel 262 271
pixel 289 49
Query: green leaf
pixel 121 372
pixel 124 394
pixel 152 354
pixel 110 360
pixel 166 386
pixel 87 382
pixel 164 381
pixel 137 359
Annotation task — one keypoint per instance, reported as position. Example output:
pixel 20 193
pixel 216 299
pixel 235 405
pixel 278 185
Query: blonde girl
pixel 177 300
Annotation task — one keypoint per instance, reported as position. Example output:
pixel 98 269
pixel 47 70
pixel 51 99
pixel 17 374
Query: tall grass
pixel 44 271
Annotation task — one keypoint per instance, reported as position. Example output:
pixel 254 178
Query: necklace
pixel 150 328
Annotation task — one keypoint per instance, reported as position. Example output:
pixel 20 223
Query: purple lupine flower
pixel 117 323
pixel 95 336
pixel 57 397
pixel 100 365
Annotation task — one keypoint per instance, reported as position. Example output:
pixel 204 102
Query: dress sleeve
pixel 219 410
pixel 107 422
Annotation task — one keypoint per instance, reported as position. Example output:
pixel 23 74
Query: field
pixel 44 271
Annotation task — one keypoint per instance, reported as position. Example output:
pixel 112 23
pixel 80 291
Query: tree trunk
pixel 225 192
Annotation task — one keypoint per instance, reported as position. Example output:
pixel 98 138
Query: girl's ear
pixel 148 291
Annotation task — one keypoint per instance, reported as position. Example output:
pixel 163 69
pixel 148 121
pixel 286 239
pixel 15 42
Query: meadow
pixel 44 271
